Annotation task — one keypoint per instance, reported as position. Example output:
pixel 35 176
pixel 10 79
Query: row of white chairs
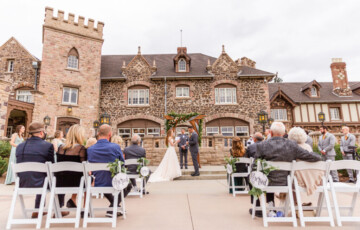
pixel 49 186
pixel 328 185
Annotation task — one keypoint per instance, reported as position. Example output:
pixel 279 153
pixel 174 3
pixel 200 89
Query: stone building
pixel 298 103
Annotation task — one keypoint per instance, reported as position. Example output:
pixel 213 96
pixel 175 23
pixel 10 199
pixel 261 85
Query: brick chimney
pixel 340 80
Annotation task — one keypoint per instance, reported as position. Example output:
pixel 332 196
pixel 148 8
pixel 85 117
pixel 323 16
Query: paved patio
pixel 183 205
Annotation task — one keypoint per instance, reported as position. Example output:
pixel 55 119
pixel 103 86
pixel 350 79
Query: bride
pixel 169 167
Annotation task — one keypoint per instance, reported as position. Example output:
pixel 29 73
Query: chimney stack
pixel 340 80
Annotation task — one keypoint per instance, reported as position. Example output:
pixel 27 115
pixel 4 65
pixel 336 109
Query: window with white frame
pixel 335 114
pixel 70 96
pixel 24 95
pixel 153 131
pixel 241 131
pixel 10 67
pixel 182 65
pixel 279 114
pixel 210 131
pixel 227 131
pixel 313 91
pixel 139 131
pixel 124 132
pixel 225 95
pixel 182 91
pixel 138 96
pixel 73 62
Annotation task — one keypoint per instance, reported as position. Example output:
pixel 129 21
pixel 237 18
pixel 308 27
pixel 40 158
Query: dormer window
pixel 182 65
pixel 314 92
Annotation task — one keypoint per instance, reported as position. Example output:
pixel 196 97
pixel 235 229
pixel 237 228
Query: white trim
pixel 70 93
pixel 138 93
pixel 227 127
pixel 72 63
pixel 182 60
pixel 183 90
pixel 208 133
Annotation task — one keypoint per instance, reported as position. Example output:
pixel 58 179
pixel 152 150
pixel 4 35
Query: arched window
pixel 73 59
pixel 182 65
pixel 314 91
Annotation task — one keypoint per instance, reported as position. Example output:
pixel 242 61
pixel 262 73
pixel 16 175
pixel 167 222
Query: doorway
pixel 64 123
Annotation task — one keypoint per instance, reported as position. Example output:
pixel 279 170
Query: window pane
pixel 135 97
pixel 234 95
pixel 74 96
pixel 186 92
pixel 222 95
pixel 228 95
pixel 72 62
pixel 147 96
pixel 182 65
pixel 66 97
pixel 178 92
pixel 216 96
pixel 129 97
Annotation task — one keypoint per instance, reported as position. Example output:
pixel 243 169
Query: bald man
pixel 347 140
pixel 251 149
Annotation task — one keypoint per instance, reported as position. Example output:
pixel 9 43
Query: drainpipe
pixel 165 95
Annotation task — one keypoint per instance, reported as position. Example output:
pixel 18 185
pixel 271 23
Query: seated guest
pixel 134 151
pixel 251 149
pixel 117 140
pixel 74 151
pixel 237 151
pixel 34 149
pixel 311 178
pixel 104 152
pixel 278 148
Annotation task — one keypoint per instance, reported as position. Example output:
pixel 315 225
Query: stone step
pixel 203 177
pixel 205 172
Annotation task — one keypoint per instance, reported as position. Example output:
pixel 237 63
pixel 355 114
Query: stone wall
pixel 4 96
pixel 280 103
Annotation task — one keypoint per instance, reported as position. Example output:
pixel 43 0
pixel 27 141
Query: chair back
pixel 131 162
pixel 244 160
pixel 303 165
pixel 66 166
pixel 281 165
pixel 29 167
pixel 344 164
pixel 89 167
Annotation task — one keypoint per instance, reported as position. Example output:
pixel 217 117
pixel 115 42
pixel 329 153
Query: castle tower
pixel 340 79
pixel 69 87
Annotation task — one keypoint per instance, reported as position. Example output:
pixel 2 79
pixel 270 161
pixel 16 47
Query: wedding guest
pixel 238 150
pixel 281 149
pixel 34 149
pixel 250 141
pixel 183 148
pixel 57 142
pixel 104 152
pixel 134 151
pixel 74 151
pixel 309 140
pixel 326 147
pixel 117 140
pixel 90 142
pixel 16 139
pixel 267 134
pixel 251 149
pixel 311 178
pixel 347 140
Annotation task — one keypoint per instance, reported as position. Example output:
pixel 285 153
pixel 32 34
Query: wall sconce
pixel 69 109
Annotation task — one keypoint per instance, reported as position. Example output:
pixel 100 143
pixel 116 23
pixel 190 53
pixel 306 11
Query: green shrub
pixel 5 149
pixel 3 165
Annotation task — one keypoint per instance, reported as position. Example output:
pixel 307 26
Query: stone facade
pixel 59 38
pixel 4 96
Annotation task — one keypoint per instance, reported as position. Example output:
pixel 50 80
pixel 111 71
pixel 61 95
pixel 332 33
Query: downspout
pixel 165 96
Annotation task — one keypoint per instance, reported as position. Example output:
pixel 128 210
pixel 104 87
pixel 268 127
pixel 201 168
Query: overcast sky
pixel 297 39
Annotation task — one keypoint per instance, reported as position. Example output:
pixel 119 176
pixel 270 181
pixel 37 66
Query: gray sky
pixel 295 38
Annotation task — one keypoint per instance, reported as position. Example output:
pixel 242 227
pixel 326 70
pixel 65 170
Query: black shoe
pixel 145 193
pixel 195 174
pixel 257 213
pixel 186 167
pixel 110 214
pixel 70 204
pixel 181 167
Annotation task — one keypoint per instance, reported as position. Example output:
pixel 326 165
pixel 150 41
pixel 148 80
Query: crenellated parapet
pixel 70 26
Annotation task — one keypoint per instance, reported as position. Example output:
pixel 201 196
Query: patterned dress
pixel 9 175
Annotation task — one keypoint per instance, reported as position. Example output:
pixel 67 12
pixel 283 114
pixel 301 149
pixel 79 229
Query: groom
pixel 194 150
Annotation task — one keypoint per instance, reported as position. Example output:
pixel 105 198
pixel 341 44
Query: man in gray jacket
pixel 326 147
pixel 347 140
pixel 194 150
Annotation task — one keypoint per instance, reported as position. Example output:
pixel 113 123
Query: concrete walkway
pixel 182 205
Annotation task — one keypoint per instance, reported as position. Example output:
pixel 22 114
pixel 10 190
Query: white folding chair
pixel 339 187
pixel 90 190
pixel 55 191
pixel 19 192
pixel 285 166
pixel 243 175
pixel 137 178
pixel 321 190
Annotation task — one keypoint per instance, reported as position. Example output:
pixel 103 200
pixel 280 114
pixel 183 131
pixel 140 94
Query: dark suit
pixel 34 149
pixel 134 151
pixel 194 150
pixel 183 152
pixel 251 150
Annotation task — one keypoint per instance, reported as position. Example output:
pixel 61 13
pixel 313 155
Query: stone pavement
pixel 183 205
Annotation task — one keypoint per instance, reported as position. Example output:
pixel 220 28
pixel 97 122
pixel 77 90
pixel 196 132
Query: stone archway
pixel 64 123
pixel 25 108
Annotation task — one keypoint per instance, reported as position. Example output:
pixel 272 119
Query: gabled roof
pixel 293 91
pixel 21 46
pixel 355 86
pixel 246 71
pixel 283 95
pixel 310 84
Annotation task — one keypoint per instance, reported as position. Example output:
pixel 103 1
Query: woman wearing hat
pixel 16 139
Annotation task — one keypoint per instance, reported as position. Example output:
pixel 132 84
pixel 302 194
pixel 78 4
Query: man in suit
pixel 134 151
pixel 183 148
pixel 347 140
pixel 251 149
pixel 104 152
pixel 194 150
pixel 34 149
pixel 326 147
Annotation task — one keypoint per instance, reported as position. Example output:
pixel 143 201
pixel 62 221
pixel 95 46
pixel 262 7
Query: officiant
pixel 183 148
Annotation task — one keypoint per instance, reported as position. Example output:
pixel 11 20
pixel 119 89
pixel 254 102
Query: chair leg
pixel 42 204
pixel 141 187
pixel 233 185
pixel 254 207
pixel 78 203
pixel 115 207
pixel 263 207
pixel 336 205
pixel 353 202
pixel 123 204
pixel 87 203
pixel 292 205
pixel 12 208
pixel 299 203
pixel 51 204
pixel 23 208
pixel 320 204
pixel 328 204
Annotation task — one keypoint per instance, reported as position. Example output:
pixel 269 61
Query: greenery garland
pixel 142 163
pixel 178 118
pixel 266 169
pixel 116 167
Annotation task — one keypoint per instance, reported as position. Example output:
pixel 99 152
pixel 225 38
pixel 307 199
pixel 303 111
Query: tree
pixel 277 79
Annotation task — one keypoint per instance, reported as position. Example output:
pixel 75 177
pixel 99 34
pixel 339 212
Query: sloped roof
pixel 293 90
pixel 14 39
pixel 246 71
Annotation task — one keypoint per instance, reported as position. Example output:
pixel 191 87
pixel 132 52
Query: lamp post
pixel 105 119
pixel 321 118
pixel 270 121
pixel 47 121
pixel 96 125
pixel 263 119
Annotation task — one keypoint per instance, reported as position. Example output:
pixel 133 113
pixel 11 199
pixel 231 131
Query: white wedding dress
pixel 169 167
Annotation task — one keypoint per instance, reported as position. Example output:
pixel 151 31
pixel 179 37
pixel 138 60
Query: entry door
pixel 64 124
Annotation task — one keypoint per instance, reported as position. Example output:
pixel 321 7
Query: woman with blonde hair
pixel 238 150
pixel 117 140
pixel 73 150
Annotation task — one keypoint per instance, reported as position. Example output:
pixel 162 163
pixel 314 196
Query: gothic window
pixel 138 96
pixel 225 95
pixel 24 95
pixel 182 65
pixel 314 91
pixel 73 59
pixel 70 96
pixel 279 114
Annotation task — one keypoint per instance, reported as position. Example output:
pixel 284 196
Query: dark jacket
pixel 281 149
pixel 34 149
pixel 251 150
pixel 183 139
pixel 194 143
pixel 134 152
